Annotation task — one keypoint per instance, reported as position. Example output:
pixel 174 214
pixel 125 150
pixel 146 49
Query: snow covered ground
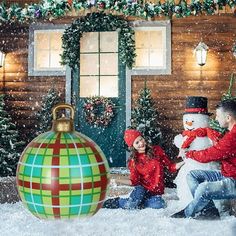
pixel 16 220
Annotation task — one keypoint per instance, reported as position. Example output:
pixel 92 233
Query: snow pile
pixel 119 170
pixel 16 220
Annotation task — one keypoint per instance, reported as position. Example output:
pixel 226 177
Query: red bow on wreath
pixel 70 2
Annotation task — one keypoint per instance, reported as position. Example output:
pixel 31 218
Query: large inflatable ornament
pixel 62 173
pixel 196 136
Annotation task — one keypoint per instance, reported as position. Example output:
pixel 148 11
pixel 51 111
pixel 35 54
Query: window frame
pixel 99 75
pixel 138 25
pixel 32 71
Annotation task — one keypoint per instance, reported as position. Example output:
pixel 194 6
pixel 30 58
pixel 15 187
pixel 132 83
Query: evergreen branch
pixel 52 9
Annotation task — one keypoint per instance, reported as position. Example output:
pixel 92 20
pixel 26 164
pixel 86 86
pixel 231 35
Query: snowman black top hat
pixel 196 105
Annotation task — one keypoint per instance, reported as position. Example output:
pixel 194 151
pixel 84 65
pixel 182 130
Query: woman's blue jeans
pixel 141 198
pixel 207 186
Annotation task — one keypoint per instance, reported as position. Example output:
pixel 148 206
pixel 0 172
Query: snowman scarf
pixel 200 132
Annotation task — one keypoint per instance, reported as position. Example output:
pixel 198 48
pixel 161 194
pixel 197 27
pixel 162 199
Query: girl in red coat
pixel 146 165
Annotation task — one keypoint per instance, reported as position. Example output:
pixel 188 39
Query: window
pixel 99 64
pixel 153 48
pixel 44 50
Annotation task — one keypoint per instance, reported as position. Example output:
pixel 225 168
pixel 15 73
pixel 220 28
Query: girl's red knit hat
pixel 130 136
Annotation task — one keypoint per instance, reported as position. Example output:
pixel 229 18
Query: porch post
pixel 68 85
pixel 128 102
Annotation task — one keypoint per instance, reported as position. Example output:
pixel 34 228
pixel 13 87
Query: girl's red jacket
pixel 149 172
pixel 224 151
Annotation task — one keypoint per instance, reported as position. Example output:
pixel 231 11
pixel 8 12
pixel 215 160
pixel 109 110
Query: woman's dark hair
pixel 229 106
pixel 149 151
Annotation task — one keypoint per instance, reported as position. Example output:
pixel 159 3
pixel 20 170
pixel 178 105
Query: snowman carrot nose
pixel 189 123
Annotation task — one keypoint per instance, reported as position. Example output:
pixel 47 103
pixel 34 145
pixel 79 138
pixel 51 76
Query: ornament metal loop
pixel 63 124
pixel 63 106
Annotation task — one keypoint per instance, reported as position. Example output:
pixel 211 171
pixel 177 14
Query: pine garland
pixel 92 23
pixel 229 95
pixel 51 9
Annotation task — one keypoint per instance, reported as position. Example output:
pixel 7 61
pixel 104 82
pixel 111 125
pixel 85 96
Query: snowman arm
pixel 217 152
pixel 178 140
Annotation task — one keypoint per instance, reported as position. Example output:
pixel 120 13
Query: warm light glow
pixel 2 57
pixel 48 47
pixel 201 53
pixel 150 48
pixel 109 86
pixel 99 64
pixel 89 86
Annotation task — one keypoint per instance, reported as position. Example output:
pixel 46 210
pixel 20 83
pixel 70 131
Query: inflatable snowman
pixel 196 136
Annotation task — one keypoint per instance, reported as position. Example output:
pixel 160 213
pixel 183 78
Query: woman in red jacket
pixel 146 165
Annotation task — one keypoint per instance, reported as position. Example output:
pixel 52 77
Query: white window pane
pixel 42 59
pixel 45 47
pixel 150 48
pixel 55 59
pixel 156 39
pixel 48 47
pixel 142 58
pixel 156 58
pixel 88 86
pixel 89 64
pixel 41 40
pixel 109 86
pixel 89 42
pixel 142 39
pixel 55 40
pixel 109 41
pixel 109 64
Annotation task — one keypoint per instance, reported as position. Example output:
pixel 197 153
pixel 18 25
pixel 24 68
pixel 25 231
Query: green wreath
pixel 98 111
pixel 96 22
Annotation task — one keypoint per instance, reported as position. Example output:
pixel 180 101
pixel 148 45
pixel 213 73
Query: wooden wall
pixel 23 93
pixel 169 92
pixel 187 78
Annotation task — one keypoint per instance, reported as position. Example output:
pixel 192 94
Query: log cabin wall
pixel 23 93
pixel 189 79
pixel 169 91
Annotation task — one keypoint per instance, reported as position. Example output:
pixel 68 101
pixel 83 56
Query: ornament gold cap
pixel 63 124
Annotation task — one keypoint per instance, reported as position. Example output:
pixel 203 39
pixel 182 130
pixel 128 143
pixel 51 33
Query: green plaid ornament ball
pixel 62 175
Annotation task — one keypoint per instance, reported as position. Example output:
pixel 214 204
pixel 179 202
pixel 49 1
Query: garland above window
pixel 93 23
pixel 49 9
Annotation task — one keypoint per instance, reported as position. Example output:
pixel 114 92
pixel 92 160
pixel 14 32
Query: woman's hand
pixel 179 165
pixel 182 153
